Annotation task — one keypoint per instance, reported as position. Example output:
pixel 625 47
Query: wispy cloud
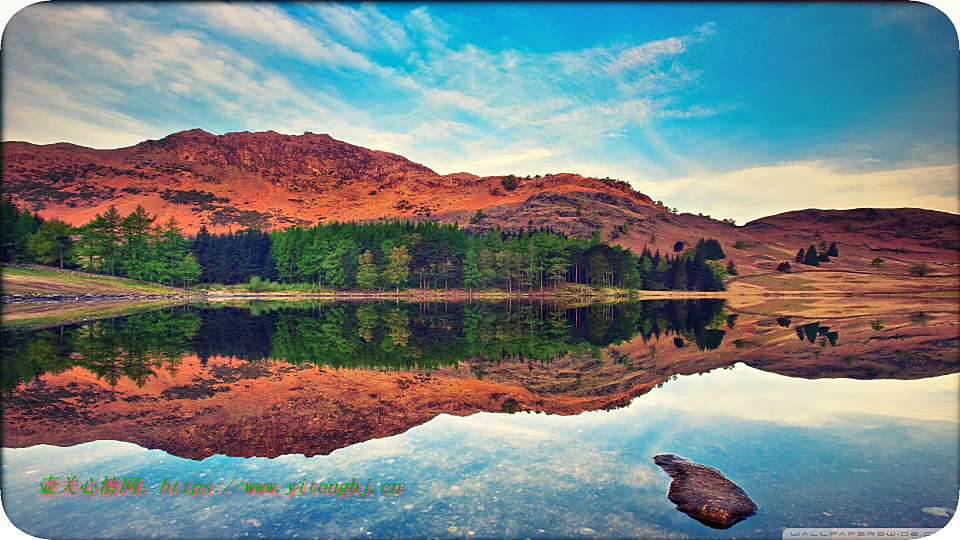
pixel 220 59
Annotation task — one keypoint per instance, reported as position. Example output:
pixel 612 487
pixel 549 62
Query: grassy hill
pixel 38 281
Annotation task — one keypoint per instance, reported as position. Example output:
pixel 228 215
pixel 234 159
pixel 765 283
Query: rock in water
pixel 704 493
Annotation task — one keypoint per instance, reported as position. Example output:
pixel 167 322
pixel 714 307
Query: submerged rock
pixel 938 511
pixel 704 493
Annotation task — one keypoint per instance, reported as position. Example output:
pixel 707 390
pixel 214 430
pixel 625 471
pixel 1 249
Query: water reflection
pixel 268 379
pixel 350 335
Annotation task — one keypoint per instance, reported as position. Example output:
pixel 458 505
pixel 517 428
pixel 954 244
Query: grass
pixel 780 282
pixel 47 282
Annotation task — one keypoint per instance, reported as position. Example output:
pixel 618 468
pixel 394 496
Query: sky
pixel 730 110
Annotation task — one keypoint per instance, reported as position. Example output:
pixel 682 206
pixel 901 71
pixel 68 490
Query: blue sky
pixel 732 110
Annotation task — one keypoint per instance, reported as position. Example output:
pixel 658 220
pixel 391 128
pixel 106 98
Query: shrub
pixel 920 270
pixel 732 269
pixel 739 244
pixel 800 256
pixel 783 267
pixel 833 251
pixel 256 284
pixel 877 263
pixel 510 182
pixel 823 257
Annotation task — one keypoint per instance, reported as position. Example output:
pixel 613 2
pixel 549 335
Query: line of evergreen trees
pixel 369 256
pixel 394 255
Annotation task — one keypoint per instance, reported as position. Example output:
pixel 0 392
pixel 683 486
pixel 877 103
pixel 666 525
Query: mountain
pixel 248 179
pixel 270 180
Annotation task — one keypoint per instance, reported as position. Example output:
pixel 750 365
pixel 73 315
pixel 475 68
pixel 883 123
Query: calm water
pixel 499 420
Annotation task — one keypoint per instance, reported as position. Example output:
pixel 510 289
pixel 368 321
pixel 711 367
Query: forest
pixel 367 256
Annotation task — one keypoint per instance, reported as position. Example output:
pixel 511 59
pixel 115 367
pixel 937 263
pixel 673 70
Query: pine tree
pixel 487 264
pixel 187 270
pixel 800 256
pixel 471 270
pixel 25 227
pixel 52 242
pixel 811 258
pixel 9 213
pixel 109 238
pixel 833 251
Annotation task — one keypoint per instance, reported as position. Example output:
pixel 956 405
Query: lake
pixel 521 419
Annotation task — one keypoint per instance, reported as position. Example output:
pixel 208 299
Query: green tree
pixel 366 271
pixel 510 182
pixel 134 232
pixel 558 267
pixel 471 270
pixel 739 244
pixel 398 269
pixel 732 269
pixel 600 270
pixel 27 225
pixel 52 243
pixel 187 270
pixel 333 266
pixel 811 258
pixel 833 251
pixel 477 218
pixel 487 264
pixel 109 238
pixel 877 263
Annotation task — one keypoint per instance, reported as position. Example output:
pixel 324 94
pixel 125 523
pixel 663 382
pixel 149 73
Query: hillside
pixel 270 180
pixel 247 179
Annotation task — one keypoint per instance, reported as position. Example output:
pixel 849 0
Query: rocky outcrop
pixel 704 493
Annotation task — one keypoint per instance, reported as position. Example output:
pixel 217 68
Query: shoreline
pixel 460 295
pixel 31 313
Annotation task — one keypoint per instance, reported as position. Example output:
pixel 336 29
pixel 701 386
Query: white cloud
pixel 498 164
pixel 755 192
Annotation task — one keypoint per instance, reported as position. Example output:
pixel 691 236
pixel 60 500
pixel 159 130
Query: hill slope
pixel 254 179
